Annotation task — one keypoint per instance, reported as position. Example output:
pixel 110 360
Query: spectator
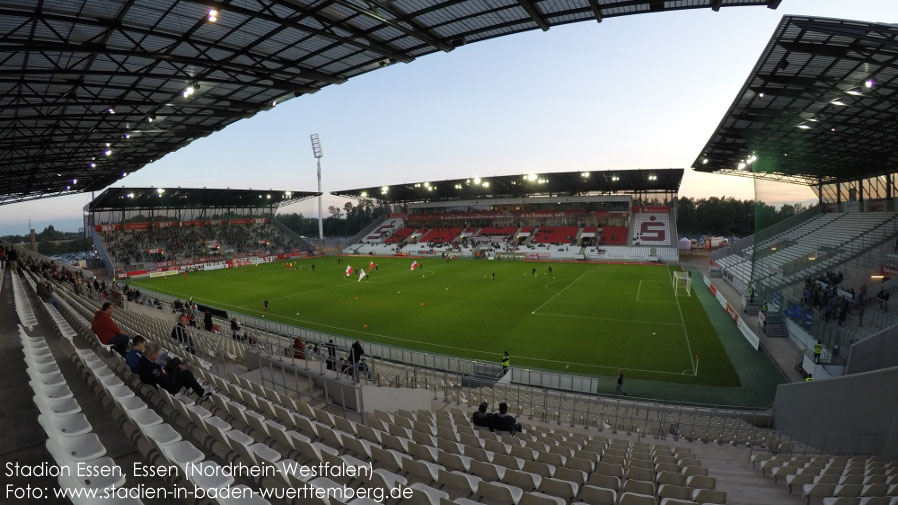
pixel 138 344
pixel 107 331
pixel 504 422
pixel 620 383
pixel 45 292
pixel 207 321
pixel 235 327
pixel 299 350
pixel 179 333
pixel 172 378
pixel 331 355
pixel 481 417
pixel 355 353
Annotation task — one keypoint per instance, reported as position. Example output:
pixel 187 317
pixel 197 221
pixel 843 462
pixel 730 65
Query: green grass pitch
pixel 583 318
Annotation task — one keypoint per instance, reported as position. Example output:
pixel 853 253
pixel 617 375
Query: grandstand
pixel 159 231
pixel 625 215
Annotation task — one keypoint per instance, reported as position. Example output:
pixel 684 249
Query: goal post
pixel 682 284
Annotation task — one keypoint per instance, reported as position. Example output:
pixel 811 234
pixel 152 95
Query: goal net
pixel 682 284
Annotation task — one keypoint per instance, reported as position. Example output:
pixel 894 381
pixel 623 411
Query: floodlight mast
pixel 318 153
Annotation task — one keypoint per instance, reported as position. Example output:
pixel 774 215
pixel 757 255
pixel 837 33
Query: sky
pixel 642 91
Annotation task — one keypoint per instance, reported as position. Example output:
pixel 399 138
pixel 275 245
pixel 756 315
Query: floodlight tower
pixel 316 150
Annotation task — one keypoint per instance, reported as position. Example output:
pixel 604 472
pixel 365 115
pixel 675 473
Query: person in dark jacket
pixel 504 422
pixel 481 417
pixel 207 321
pixel 331 355
pixel 355 357
pixel 171 378
pixel 235 327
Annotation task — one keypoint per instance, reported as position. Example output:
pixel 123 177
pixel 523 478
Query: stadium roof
pixel 91 90
pixel 558 183
pixel 188 198
pixel 817 107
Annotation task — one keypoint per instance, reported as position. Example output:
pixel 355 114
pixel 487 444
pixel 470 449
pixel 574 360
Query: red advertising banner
pixel 165 224
pixel 185 224
pixel 212 222
pixel 260 220
pixel 241 221
pixel 137 226
pixel 107 227
pixel 659 209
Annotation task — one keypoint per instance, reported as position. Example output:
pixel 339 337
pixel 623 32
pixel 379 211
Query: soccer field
pixel 583 318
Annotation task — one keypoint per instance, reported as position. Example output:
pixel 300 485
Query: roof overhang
pixel 523 185
pixel 122 199
pixel 818 106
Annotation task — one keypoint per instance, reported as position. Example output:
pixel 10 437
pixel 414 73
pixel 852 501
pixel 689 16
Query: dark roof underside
pixel 559 183
pixel 187 198
pixel 819 106
pixel 76 75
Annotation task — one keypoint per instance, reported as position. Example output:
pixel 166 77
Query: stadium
pixel 542 337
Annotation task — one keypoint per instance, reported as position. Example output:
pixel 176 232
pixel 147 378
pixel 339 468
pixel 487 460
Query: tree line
pixel 728 216
pixel 51 241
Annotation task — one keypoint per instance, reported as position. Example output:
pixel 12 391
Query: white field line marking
pixel 562 291
pixel 648 301
pixel 685 333
pixel 431 344
pixel 607 319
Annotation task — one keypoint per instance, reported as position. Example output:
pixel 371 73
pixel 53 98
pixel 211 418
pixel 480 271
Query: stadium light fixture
pixel 854 92
pixel 74 181
pixel 126 136
pixel 585 175
pixel 870 83
pixel 363 194
pixel 417 184
pixel 268 196
pixel 318 153
pixel 108 152
pixel 839 102
pixel 110 110
pixel 705 161
pixel 877 277
pixel 124 174
pixel 130 195
pixel 384 190
pixel 68 187
pixel 804 126
pixel 213 15
pixel 458 186
pixel 741 165
pixel 160 190
pixel 92 165
pixel 614 178
pixel 477 180
pixel 486 184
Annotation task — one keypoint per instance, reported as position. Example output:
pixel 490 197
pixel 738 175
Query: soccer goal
pixel 682 284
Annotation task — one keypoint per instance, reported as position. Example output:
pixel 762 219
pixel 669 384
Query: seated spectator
pixel 207 321
pixel 235 327
pixel 45 292
pixel 107 331
pixel 481 417
pixel 172 378
pixel 504 422
pixel 133 357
